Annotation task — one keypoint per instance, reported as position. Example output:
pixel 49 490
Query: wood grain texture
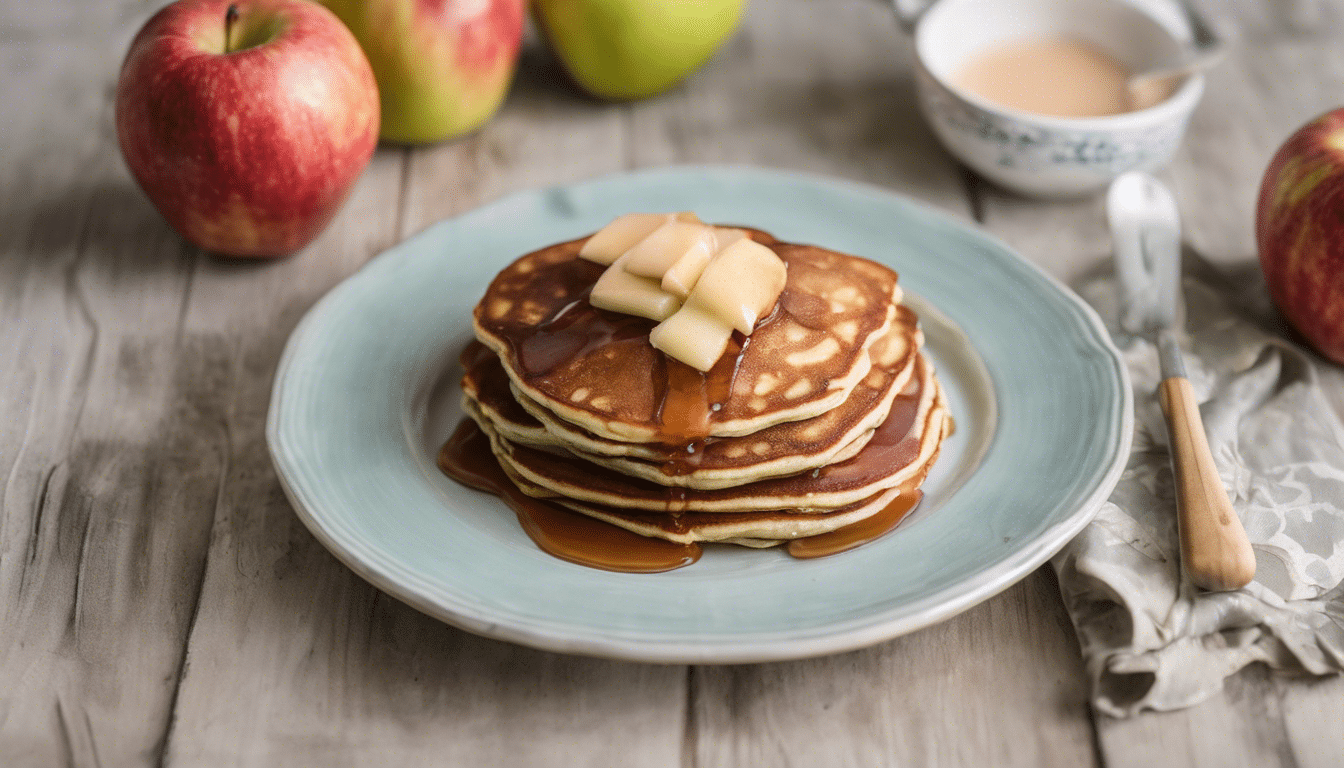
pixel 1215 553
pixel 1285 68
pixel 971 691
pixel 1243 727
pixel 820 87
pixel 107 444
pixel 1313 718
pixel 160 604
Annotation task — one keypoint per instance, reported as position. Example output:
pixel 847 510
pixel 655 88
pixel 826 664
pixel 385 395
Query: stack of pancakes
pixel 824 416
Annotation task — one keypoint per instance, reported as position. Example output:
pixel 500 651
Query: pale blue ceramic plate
pixel 366 392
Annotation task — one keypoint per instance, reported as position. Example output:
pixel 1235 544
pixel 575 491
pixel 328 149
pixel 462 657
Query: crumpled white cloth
pixel 1272 411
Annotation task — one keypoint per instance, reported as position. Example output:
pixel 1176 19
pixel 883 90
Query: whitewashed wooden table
pixel 161 604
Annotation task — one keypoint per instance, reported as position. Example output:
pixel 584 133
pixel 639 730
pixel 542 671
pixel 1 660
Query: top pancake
pixel 597 369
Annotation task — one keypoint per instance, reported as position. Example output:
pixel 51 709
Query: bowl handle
pixel 909 11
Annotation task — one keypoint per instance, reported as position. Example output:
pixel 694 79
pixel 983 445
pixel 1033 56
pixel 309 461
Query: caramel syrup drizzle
pixel 568 535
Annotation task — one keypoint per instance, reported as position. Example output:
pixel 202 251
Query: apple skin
pixel 443 66
pixel 1299 229
pixel 251 152
pixel 632 49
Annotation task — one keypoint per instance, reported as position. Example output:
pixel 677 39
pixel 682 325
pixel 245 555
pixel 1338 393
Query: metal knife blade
pixel 1146 227
pixel 1145 223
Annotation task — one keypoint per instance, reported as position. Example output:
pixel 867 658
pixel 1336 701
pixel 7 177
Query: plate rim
pixel 736 648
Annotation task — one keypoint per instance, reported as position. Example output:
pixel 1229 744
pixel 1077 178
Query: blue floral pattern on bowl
pixel 1043 159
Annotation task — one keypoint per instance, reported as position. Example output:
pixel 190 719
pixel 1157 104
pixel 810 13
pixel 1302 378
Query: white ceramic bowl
pixel 1040 155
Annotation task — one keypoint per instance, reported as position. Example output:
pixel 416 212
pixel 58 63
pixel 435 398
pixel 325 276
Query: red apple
pixel 1299 226
pixel 246 122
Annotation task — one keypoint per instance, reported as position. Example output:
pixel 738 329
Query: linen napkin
pixel 1272 410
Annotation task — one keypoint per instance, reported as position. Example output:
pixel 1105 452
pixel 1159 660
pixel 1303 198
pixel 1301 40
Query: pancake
pixel 597 370
pixel 897 449
pixel 784 449
pixel 827 416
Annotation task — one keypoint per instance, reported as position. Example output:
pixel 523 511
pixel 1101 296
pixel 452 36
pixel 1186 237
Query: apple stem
pixel 230 16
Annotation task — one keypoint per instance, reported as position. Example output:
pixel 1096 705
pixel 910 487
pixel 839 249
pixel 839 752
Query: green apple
pixel 630 49
pixel 443 66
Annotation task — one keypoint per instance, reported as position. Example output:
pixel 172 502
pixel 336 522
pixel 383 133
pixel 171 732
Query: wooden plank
pixel 321 667
pixel 1313 719
pixel 1276 77
pixel 110 469
pixel 136 380
pixel 1068 239
pixel 509 154
pixel 1242 727
pixel 1001 685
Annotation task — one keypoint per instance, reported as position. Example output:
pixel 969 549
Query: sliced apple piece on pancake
pixel 653 256
pixel 624 232
pixel 619 291
pixel 740 284
pixel 681 277
pixel 693 336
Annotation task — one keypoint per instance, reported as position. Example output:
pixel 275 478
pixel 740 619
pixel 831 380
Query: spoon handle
pixel 1215 552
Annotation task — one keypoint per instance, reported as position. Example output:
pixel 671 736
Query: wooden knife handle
pixel 1215 552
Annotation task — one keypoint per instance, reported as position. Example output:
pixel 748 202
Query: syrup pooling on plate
pixel 797 404
pixel 568 535
pixel 856 534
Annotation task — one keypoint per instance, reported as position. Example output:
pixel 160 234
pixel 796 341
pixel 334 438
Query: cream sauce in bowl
pixel 1059 77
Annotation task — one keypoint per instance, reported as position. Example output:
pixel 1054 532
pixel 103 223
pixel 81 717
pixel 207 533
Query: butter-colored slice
pixel 653 256
pixel 692 336
pixel 726 236
pixel 655 261
pixel 619 291
pixel 616 238
pixel 680 278
pixel 740 284
pixel 613 240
